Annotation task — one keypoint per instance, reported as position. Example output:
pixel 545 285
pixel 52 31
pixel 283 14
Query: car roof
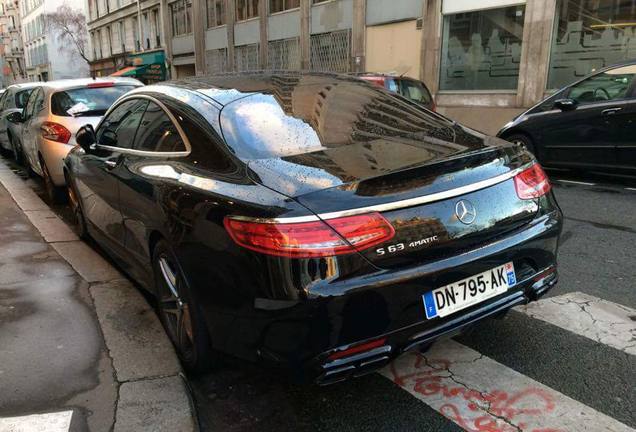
pixel 81 82
pixel 227 87
pixel 24 86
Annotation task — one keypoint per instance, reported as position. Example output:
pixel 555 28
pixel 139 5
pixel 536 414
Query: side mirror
pixel 565 104
pixel 15 117
pixel 85 137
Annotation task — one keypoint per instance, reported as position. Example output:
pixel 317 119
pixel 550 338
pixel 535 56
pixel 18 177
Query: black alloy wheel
pixel 523 140
pixel 179 313
pixel 78 214
pixel 56 195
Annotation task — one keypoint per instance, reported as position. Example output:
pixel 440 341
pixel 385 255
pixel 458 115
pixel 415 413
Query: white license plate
pixel 467 292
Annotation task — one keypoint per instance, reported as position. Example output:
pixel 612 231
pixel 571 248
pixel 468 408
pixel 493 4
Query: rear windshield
pixel 305 119
pixel 93 101
pixel 21 98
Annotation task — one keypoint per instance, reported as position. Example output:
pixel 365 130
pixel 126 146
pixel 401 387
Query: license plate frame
pixel 459 295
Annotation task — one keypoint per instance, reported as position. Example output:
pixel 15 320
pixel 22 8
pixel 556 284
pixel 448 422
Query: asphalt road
pixel 537 374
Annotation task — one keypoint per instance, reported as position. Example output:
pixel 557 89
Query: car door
pixel 158 143
pixel 586 134
pixel 29 141
pixel 97 176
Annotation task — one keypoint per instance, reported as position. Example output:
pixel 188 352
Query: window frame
pixel 131 151
pixel 285 8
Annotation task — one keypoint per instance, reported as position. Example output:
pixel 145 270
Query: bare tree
pixel 69 27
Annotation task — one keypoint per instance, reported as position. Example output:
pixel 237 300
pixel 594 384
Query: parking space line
pixel 631 189
pixel 577 182
pixel 600 320
pixel 49 422
pixel 480 394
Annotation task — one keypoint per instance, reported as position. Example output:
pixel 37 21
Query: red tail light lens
pixel 100 84
pixel 356 349
pixel 55 132
pixel 532 183
pixel 311 239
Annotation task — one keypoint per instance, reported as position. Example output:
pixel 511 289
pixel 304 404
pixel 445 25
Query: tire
pixel 524 140
pixel 17 154
pixel 55 194
pixel 78 214
pixel 179 313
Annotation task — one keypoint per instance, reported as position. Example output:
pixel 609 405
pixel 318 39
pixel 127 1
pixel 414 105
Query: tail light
pixel 433 106
pixel 532 183
pixel 311 239
pixel 356 349
pixel 55 132
pixel 100 84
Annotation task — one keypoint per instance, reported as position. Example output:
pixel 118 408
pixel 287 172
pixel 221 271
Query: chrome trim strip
pixel 425 199
pixel 165 109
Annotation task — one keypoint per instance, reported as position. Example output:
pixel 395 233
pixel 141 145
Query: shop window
pixel 482 50
pixel 283 5
pixel 588 36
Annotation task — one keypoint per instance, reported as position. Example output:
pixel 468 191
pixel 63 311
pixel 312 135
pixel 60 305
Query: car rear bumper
pixel 298 341
pixel 402 341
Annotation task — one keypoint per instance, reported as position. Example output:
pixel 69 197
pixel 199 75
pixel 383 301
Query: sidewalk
pixel 78 342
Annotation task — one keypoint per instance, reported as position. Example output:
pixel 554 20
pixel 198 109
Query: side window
pixel 157 132
pixel 21 98
pixel 119 128
pixel 392 85
pixel 415 92
pixel 207 146
pixel 607 86
pixel 30 106
pixel 39 102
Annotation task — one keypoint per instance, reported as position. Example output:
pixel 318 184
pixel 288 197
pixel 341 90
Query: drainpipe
pixel 139 32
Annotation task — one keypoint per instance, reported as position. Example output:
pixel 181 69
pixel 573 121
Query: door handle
pixel 610 111
pixel 110 164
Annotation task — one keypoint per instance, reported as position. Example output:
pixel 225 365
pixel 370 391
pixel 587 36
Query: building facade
pixel 128 38
pixel 44 59
pixel 485 61
pixel 11 51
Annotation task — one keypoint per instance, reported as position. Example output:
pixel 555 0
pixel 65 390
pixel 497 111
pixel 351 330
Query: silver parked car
pixel 13 100
pixel 53 114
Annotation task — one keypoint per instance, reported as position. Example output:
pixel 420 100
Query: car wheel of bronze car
pixel 524 140
pixel 179 314
pixel 17 154
pixel 78 214
pixel 56 195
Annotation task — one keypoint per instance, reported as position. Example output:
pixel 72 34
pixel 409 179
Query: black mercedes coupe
pixel 314 224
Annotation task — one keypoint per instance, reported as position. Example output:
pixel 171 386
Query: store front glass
pixel 589 35
pixel 482 50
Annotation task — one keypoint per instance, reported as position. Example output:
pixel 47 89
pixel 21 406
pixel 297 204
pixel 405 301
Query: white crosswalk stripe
pixel 480 394
pixel 49 422
pixel 592 317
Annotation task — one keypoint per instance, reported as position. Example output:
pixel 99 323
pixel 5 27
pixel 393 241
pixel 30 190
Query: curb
pixel 153 393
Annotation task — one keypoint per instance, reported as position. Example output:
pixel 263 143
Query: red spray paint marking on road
pixel 427 381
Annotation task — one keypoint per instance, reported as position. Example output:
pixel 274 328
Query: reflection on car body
pixel 256 212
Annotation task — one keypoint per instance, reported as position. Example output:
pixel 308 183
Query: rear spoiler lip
pixel 425 199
